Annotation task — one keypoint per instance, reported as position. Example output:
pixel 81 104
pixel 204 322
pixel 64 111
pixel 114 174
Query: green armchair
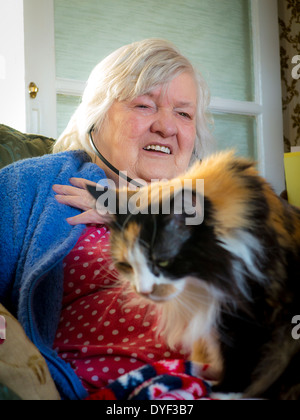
pixel 15 145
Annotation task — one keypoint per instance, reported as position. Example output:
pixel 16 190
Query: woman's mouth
pixel 157 148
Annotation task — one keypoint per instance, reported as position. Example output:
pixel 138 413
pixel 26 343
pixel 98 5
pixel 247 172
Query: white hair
pixel 131 71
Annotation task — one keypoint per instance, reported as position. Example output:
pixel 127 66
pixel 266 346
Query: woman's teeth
pixel 162 149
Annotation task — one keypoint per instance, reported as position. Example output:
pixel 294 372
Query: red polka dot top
pixel 103 333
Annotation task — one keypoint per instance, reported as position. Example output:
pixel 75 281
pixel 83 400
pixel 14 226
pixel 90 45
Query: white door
pixel 27 54
pixel 40 66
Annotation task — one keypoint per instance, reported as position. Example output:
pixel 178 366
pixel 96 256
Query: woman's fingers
pixel 79 202
pixel 75 196
pixel 81 182
pixel 88 217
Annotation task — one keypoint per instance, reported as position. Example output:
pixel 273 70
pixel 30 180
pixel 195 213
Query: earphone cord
pixel 109 165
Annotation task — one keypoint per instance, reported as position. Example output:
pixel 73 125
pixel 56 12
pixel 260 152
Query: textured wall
pixel 289 23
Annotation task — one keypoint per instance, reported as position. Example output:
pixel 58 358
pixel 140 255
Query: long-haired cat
pixel 231 282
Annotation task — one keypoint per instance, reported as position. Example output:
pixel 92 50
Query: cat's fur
pixel 232 282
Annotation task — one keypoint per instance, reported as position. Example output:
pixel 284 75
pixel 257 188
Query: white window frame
pixel 267 104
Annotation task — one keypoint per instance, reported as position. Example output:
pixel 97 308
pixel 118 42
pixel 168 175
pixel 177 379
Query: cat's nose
pixel 144 290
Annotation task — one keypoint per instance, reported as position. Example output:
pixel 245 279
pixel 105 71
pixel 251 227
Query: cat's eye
pixel 124 266
pixel 163 264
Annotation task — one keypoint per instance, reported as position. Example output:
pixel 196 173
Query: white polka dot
pixel 100 338
pixel 150 355
pixel 122 320
pixel 105 369
pixel 78 291
pixel 115 332
pixel 93 330
pixel 110 351
pixel 106 323
pixel 95 378
pixel 141 335
pixel 130 329
pixel 134 355
pixel 84 349
pixel 133 360
pixel 96 272
pixel 90 253
pixel 87 362
pixel 158 346
pixel 90 369
pixel 71 284
pixel 94 313
pixel 112 311
pixel 82 277
pixel 80 248
pixel 72 271
pixel 121 371
pixel 76 258
pixel 137 316
pixel 85 265
pixel 125 340
pixel 167 354
pixel 80 318
pixel 146 324
pixel 117 359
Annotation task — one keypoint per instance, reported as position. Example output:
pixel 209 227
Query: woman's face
pixel 151 136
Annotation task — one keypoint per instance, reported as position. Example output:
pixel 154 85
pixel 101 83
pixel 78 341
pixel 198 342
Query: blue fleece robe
pixel 34 239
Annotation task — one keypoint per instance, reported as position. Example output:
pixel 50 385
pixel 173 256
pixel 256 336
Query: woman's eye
pixel 142 106
pixel 185 115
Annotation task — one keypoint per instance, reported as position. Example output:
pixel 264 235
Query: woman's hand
pixel 77 196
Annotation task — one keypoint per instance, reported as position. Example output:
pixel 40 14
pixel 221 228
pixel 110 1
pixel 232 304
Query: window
pixel 227 40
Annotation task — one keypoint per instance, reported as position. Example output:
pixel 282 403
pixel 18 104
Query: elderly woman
pixel 144 108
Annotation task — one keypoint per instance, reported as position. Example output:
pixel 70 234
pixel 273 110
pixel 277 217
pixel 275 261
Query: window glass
pixel 214 34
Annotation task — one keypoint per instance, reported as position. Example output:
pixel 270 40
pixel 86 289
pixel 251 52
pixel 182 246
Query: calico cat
pixel 229 286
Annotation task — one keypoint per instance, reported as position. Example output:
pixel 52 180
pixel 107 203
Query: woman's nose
pixel 164 124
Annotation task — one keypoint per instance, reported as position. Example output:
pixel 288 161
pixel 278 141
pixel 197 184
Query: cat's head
pixel 216 243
